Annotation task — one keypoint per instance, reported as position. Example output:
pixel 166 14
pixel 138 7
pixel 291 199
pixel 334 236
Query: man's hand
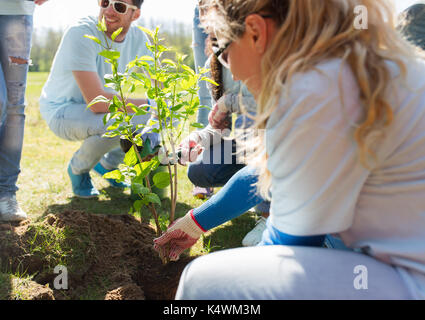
pixel 181 235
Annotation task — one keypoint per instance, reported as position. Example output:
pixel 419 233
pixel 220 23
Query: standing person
pixel 343 152
pixel 199 38
pixel 77 77
pixel 16 27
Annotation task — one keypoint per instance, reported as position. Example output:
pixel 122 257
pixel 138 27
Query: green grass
pixel 44 187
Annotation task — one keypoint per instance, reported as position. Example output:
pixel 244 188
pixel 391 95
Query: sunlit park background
pixel 44 186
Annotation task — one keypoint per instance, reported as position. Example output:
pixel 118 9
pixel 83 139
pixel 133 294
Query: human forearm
pixel 237 196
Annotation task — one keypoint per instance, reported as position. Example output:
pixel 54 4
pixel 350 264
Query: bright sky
pixel 60 13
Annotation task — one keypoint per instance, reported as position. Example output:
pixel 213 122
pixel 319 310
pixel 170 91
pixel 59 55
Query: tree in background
pixel 177 35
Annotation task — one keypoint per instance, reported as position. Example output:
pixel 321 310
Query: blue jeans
pixel 215 166
pixel 75 122
pixel 15 42
pixel 199 37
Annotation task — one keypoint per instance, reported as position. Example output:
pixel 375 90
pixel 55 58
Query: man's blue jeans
pixel 15 47
pixel 74 122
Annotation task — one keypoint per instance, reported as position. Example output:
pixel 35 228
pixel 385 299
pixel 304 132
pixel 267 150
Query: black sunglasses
pixel 220 53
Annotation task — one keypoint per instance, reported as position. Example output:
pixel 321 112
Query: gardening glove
pixel 180 235
pixel 190 148
pixel 220 117
pixel 198 141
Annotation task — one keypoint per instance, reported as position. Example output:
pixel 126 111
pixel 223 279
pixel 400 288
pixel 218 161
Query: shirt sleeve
pixel 235 104
pixel 312 155
pixel 78 52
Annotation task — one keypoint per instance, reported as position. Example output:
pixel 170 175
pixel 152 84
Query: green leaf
pixel 97 100
pixel 106 118
pixel 130 158
pixel 177 107
pixel 146 58
pixel 101 26
pixel 112 134
pixel 117 101
pixel 111 55
pixel 116 34
pixel 161 180
pixel 146 30
pixel 162 48
pixel 188 69
pixel 115 174
pixel 170 62
pixel 143 169
pixel 197 125
pixel 93 38
pixel 137 205
pixel 210 81
pixel 139 188
pixel 152 197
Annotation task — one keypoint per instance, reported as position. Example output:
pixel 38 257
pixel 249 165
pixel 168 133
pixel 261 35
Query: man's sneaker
pixel 81 184
pixel 98 168
pixel 202 193
pixel 254 236
pixel 10 210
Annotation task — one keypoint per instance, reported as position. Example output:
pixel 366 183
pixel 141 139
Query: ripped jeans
pixel 15 46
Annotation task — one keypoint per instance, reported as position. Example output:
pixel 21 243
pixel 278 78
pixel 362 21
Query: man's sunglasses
pixel 119 6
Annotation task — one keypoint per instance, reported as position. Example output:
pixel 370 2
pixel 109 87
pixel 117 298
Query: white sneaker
pixel 254 236
pixel 10 210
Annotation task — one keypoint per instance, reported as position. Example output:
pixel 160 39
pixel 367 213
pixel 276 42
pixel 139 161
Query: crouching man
pixel 77 77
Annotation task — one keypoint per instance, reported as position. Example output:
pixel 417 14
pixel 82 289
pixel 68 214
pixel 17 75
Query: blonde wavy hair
pixel 317 30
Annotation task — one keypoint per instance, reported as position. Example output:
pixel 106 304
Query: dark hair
pixel 216 70
pixel 138 3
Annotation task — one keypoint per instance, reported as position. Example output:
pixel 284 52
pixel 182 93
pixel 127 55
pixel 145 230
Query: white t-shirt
pixel 319 185
pixel 77 53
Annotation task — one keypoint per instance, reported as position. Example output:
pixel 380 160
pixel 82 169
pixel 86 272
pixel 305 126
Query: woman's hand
pixel 180 235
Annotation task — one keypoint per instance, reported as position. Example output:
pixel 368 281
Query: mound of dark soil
pixel 111 255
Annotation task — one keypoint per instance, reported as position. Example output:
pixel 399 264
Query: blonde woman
pixel 343 152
